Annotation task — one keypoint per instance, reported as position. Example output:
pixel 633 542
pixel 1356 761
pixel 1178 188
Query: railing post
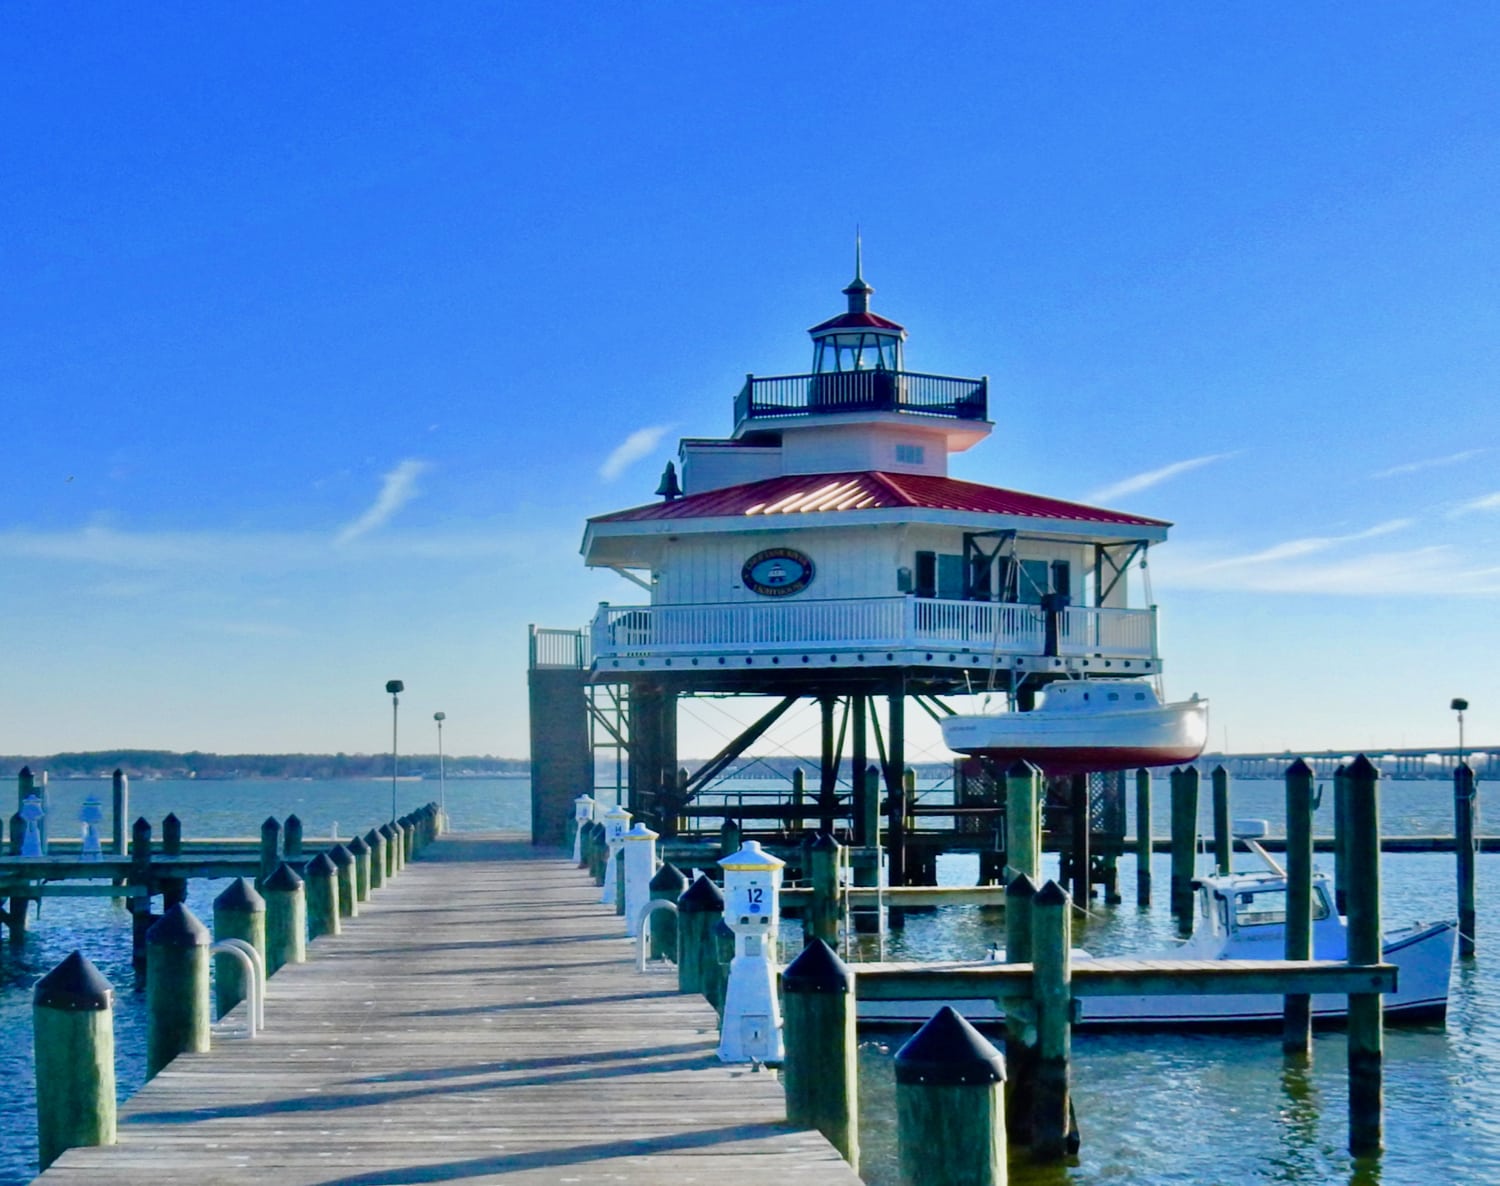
pixel 270 848
pixel 1366 1015
pixel 72 1010
pixel 950 1106
pixel 1296 1033
pixel 176 988
pixel 291 838
pixel 121 805
pixel 820 1070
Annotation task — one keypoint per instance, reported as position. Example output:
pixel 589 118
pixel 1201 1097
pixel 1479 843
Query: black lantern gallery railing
pixel 835 392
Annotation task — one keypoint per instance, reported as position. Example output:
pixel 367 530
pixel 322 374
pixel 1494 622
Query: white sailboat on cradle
pixel 1085 725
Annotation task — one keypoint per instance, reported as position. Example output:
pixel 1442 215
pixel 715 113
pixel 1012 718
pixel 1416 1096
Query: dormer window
pixel 910 454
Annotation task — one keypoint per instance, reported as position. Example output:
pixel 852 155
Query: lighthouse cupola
pixel 857 340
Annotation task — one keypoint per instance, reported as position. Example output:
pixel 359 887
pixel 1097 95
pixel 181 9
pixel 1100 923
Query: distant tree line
pixel 140 763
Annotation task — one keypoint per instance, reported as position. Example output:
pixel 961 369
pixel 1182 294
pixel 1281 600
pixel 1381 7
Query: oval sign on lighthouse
pixel 777 572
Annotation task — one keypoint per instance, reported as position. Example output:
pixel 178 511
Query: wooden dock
pixel 481 1021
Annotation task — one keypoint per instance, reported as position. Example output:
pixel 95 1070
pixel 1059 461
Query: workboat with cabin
pixel 1085 725
pixel 1242 916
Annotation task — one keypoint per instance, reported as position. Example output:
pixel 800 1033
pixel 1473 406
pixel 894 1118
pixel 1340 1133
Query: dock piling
pixel 1296 1032
pixel 1051 958
pixel 347 875
pixel 1143 837
pixel 270 848
pixel 291 838
pixel 1223 841
pixel 667 885
pixel 176 988
pixel 1184 783
pixel 239 913
pixel 360 851
pixel 820 1070
pixel 1341 839
pixel 1465 807
pixel 1366 1012
pixel 699 910
pixel 1020 1014
pixel 950 1105
pixel 72 1009
pixel 822 921
pixel 121 810
pixel 375 841
pixel 286 919
pixel 323 900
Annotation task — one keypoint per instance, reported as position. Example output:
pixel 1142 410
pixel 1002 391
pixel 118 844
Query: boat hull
pixel 1423 957
pixel 1073 742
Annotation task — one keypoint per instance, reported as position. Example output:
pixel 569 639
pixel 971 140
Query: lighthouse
pixel 822 552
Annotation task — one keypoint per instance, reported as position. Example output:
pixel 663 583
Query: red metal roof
pixel 870 490
pixel 858 321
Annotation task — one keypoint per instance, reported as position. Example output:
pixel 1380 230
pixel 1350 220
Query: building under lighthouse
pixel 822 551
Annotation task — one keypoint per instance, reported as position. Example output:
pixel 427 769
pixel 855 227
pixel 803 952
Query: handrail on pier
pixel 643 930
pixel 255 1007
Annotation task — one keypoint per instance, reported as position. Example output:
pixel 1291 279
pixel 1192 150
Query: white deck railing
pixel 874 623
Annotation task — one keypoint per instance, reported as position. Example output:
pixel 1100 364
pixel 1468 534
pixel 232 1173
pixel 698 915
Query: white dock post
pixel 616 824
pixel 751 1029
pixel 639 855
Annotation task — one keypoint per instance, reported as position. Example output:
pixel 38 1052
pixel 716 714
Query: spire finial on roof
pixel 858 291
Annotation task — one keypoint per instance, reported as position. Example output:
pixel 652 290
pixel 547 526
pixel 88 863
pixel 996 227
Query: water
pixel 1154 1109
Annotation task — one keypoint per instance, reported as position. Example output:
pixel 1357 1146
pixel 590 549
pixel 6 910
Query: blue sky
pixel 320 326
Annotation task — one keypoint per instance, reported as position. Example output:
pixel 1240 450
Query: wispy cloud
pixel 1416 467
pixel 1155 477
pixel 397 489
pixel 1308 545
pixel 638 444
pixel 1490 502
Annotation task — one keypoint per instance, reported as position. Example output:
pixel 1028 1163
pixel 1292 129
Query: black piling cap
pixel 141 827
pixel 668 877
pixel 179 927
pixel 949 1052
pixel 373 837
pixel 1020 886
pixel 284 880
pixel 292 822
pixel 817 969
pixel 241 895
pixel 357 846
pixel 702 897
pixel 824 843
pixel 171 822
pixel 272 824
pixel 25 772
pixel 319 866
pixel 75 984
pixel 1051 894
pixel 1362 769
pixel 1299 769
pixel 387 831
pixel 340 856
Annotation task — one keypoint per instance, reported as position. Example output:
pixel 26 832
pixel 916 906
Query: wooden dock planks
pixel 481 1021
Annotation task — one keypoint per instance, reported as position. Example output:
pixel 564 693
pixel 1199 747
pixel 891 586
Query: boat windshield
pixel 1260 908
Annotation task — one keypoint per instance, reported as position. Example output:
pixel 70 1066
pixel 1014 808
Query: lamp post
pixel 440 717
pixel 1460 705
pixel 394 687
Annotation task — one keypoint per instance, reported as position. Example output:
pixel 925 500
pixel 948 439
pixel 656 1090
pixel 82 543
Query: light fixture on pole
pixel 1460 706
pixel 440 717
pixel 394 686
